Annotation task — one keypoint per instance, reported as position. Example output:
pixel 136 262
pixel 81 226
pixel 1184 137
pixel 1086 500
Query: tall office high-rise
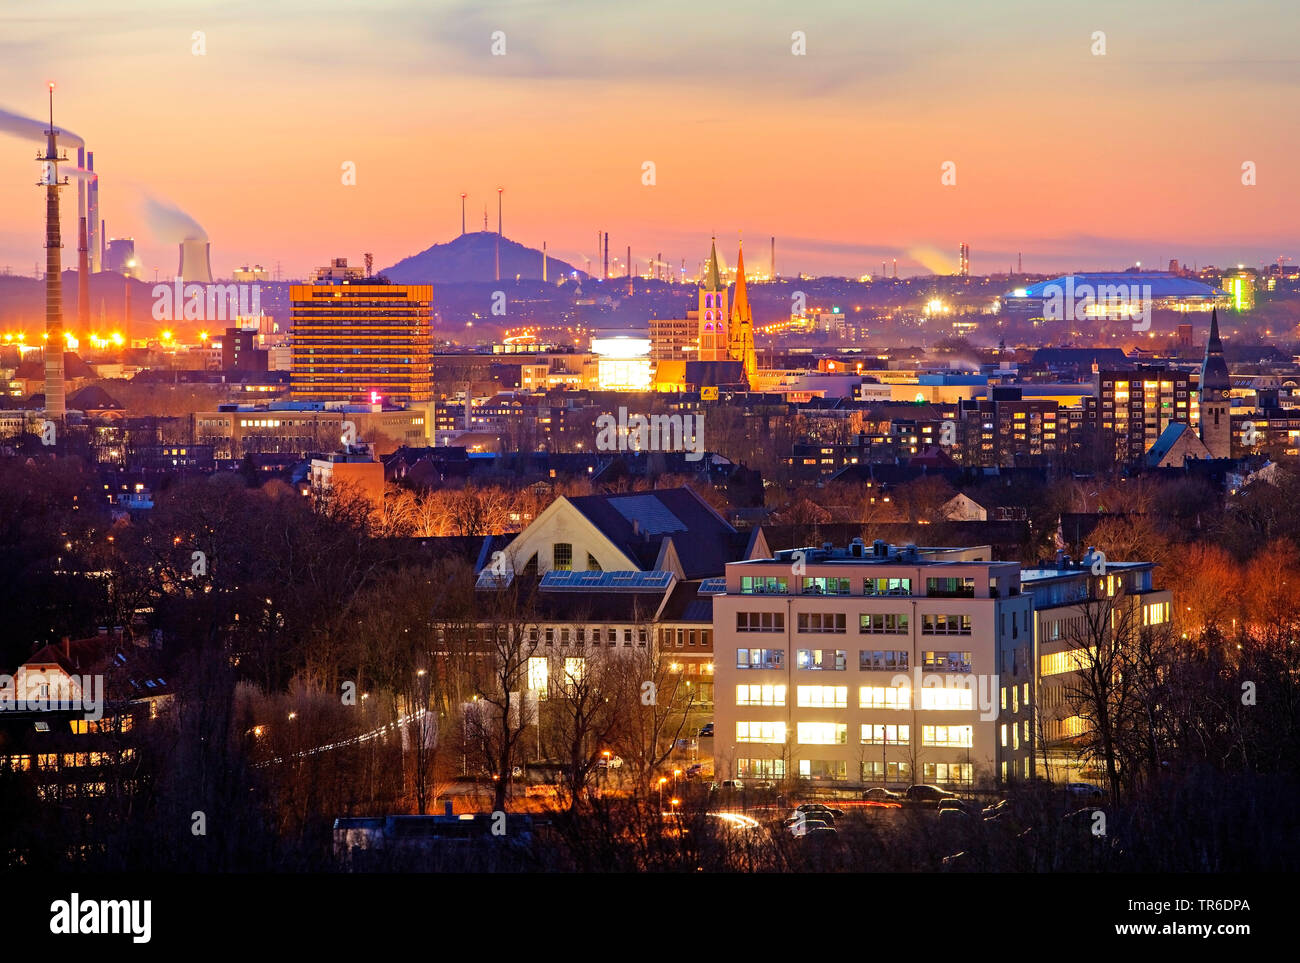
pixel 354 340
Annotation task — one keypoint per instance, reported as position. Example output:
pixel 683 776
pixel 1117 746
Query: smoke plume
pixel 30 129
pixel 170 224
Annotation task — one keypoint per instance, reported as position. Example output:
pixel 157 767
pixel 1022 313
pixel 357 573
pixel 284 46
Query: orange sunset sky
pixel 1075 159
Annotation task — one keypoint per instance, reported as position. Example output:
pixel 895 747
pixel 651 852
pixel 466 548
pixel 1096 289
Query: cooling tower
pixel 195 266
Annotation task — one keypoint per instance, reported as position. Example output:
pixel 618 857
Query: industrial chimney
pixel 94 230
pixel 55 407
pixel 195 265
pixel 83 279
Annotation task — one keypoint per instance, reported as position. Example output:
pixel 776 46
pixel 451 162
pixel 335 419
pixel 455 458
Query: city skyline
pixel 735 123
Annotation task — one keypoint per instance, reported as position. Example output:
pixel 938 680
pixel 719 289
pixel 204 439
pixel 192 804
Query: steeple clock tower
pixel 1215 400
pixel 713 314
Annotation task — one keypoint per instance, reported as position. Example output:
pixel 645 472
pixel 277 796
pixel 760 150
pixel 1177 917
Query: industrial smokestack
pixel 606 274
pixel 543 262
pixel 55 408
pixel 195 264
pixel 629 261
pixel 772 263
pixel 83 278
pixel 93 235
pixel 81 184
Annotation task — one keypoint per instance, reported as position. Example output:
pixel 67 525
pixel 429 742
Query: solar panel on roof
pixel 488 579
pixel 606 580
pixel 714 586
pixel 649 513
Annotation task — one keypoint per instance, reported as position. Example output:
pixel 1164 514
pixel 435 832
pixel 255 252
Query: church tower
pixel 741 344
pixel 1215 403
pixel 713 339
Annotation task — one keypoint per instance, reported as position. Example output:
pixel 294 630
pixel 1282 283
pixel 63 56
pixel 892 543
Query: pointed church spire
pixel 741 328
pixel 1214 344
pixel 740 303
pixel 712 282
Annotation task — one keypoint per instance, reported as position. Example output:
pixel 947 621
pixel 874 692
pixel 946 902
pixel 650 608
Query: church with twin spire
pixel 726 325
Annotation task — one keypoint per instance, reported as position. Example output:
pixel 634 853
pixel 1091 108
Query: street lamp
pixel 662 780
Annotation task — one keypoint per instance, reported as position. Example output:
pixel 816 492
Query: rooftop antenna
pixel 462 213
pixel 499 192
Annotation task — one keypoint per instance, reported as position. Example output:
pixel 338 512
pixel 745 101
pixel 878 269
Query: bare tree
pixel 499 681
pixel 582 716
pixel 655 703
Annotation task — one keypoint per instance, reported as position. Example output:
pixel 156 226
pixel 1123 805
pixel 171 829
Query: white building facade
pixel 874 665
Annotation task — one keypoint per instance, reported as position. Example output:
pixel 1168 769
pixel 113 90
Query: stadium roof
pixel 1163 284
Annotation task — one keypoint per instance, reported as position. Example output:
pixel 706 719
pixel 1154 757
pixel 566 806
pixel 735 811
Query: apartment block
pixel 1136 406
pixel 1073 608
pixel 870 665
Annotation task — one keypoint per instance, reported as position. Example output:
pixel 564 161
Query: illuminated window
pixel 884 697
pixel 949 773
pixel 884 624
pixel 896 772
pixel 945 625
pixel 760 768
pixel 760 695
pixel 947 699
pixel 833 769
pixel 562 557
pixel 769 732
pixel 886 735
pixel 822 733
pixel 834 660
pixel 760 658
pixel 538 668
pixel 882 660
pixel 823 696
pixel 947 737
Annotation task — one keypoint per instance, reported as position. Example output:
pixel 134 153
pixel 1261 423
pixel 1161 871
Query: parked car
pixel 1084 790
pixel 733 784
pixel 695 771
pixel 953 804
pixel 922 793
pixel 609 762
pixel 814 808
pixel 706 731
pixel 882 795
pixel 821 832
pixel 802 827
pixel 997 809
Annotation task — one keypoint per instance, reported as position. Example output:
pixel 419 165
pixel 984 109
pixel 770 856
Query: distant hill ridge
pixel 472 257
